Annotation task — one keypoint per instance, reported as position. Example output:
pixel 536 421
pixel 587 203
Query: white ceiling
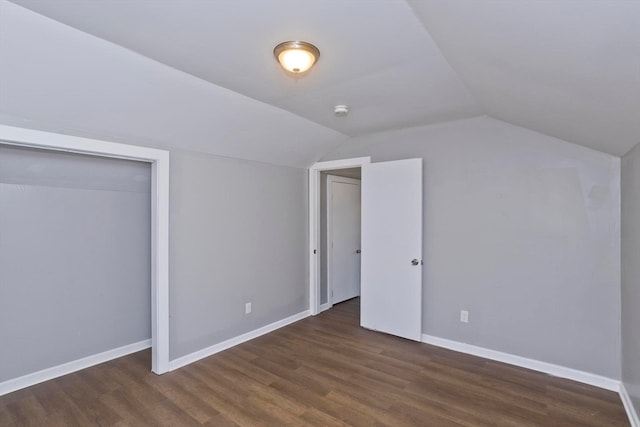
pixel 567 68
pixel 59 79
pixel 375 56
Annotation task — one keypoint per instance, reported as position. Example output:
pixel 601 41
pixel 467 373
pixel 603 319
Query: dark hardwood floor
pixel 321 371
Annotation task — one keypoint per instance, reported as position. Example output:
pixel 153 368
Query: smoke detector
pixel 341 110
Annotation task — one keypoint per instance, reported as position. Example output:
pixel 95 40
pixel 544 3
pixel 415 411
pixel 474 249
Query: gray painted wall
pixel 631 274
pixel 75 257
pixel 225 237
pixel 520 229
pixel 238 234
pixel 238 228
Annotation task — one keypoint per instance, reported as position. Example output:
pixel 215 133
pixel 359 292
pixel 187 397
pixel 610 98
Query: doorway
pixel 391 241
pixel 159 160
pixel 317 294
pixel 340 231
pixel 75 248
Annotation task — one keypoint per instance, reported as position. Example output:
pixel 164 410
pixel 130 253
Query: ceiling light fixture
pixel 296 56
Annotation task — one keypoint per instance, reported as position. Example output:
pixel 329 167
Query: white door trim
pixel 159 160
pixel 314 222
pixel 328 205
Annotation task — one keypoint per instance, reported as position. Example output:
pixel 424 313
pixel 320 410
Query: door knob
pixel 415 262
pixel 357 251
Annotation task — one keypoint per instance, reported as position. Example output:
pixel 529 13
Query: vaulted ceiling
pixel 566 68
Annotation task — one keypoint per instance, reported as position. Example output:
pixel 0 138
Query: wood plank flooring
pixel 321 371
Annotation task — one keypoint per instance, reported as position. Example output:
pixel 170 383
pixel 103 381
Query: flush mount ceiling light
pixel 296 56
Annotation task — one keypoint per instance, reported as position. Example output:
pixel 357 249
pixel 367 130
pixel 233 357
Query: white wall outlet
pixel 464 316
pixel 247 308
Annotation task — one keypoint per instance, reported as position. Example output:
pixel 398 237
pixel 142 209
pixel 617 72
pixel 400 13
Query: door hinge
pixel 314 251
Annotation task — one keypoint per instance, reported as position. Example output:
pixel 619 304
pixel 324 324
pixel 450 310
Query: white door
pixel 343 224
pixel 391 278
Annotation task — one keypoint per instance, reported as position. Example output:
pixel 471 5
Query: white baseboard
pixel 324 307
pixel 536 365
pixel 69 367
pixel 628 406
pixel 216 348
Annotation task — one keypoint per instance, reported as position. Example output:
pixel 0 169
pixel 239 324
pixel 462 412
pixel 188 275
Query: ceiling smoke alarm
pixel 341 110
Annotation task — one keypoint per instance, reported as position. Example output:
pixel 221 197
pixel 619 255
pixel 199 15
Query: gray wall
pixel 631 274
pixel 75 257
pixel 238 228
pixel 238 234
pixel 520 229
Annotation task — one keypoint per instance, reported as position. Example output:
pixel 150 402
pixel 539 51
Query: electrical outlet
pixel 464 316
pixel 247 308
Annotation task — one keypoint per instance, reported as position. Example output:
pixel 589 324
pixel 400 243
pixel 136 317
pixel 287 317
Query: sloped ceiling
pixel 567 68
pixel 59 79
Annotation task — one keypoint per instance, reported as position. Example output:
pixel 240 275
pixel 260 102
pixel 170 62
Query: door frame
pixel 159 160
pixel 328 205
pixel 314 222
